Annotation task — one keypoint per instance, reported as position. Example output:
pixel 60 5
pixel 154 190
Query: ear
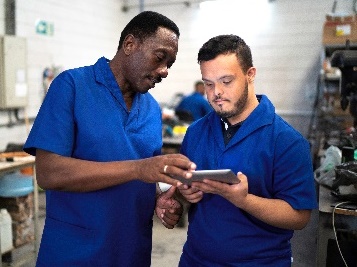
pixel 129 44
pixel 251 74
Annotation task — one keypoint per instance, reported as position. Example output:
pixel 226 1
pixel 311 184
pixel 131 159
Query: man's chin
pixel 149 84
pixel 223 114
pixel 144 91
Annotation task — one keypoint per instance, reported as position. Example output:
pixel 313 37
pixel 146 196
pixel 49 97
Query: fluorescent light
pixel 246 18
pixel 209 5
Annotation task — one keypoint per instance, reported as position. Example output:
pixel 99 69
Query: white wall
pixel 83 32
pixel 2 17
pixel 285 37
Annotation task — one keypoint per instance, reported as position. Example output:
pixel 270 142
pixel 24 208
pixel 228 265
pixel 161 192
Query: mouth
pixel 154 80
pixel 219 101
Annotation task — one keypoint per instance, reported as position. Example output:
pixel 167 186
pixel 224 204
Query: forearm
pixel 57 172
pixel 69 174
pixel 276 212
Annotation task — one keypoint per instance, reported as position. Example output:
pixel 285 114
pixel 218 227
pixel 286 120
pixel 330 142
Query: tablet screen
pixel 225 176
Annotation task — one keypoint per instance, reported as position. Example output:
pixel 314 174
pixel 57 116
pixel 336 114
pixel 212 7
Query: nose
pixel 218 91
pixel 163 71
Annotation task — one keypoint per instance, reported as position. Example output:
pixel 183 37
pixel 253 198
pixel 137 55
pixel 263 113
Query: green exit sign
pixel 44 27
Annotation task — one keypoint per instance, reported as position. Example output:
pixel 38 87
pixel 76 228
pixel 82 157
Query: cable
pixel 334 6
pixel 334 229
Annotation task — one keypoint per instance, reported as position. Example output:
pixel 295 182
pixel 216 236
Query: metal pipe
pixel 141 4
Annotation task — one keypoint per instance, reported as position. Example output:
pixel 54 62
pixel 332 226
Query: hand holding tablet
pixel 224 176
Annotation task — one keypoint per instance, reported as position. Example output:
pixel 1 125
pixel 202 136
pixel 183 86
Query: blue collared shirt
pixel 84 116
pixel 277 161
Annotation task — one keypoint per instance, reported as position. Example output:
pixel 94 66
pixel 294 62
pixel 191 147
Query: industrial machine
pixel 346 61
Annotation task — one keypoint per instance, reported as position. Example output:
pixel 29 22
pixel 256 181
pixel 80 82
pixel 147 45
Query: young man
pixel 97 140
pixel 195 104
pixel 250 223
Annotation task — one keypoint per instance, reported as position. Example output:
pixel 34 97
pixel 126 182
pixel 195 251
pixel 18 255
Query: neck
pixel 117 69
pixel 252 103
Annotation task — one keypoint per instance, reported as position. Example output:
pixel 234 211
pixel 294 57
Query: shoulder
pixel 288 137
pixel 71 75
pixel 67 78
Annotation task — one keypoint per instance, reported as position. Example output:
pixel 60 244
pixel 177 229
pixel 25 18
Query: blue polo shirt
pixel 276 159
pixel 84 116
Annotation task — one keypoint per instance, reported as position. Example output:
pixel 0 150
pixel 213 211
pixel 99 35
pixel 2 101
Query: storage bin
pixel 15 185
pixel 6 231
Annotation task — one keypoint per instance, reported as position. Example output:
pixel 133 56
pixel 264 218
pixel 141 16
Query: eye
pixel 208 84
pixel 160 57
pixel 227 81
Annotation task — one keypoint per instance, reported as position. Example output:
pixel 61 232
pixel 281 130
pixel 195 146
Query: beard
pixel 238 107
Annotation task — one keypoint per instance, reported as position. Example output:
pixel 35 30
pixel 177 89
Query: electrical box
pixel 13 72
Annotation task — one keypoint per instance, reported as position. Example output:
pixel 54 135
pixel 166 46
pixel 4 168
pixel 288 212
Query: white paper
pixel 20 76
pixel 342 30
pixel 21 89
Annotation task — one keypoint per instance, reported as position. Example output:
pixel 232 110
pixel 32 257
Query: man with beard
pixel 97 140
pixel 249 223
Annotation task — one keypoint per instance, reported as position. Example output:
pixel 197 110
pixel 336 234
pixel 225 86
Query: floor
pixel 167 245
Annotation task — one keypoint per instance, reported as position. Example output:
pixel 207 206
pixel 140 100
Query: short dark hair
pixel 197 83
pixel 146 24
pixel 225 44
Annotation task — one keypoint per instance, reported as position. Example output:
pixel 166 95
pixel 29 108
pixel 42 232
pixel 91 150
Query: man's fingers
pixel 171 219
pixel 174 165
pixel 170 192
pixel 180 160
pixel 168 226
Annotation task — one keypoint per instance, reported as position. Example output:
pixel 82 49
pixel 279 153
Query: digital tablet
pixel 225 176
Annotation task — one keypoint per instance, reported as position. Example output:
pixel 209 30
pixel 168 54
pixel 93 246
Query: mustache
pixel 219 97
pixel 156 79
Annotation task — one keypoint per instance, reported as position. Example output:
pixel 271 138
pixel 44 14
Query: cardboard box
pixel 337 30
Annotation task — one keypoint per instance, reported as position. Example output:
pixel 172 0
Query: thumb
pixel 170 192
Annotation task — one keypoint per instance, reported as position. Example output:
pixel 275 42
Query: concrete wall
pixel 284 35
